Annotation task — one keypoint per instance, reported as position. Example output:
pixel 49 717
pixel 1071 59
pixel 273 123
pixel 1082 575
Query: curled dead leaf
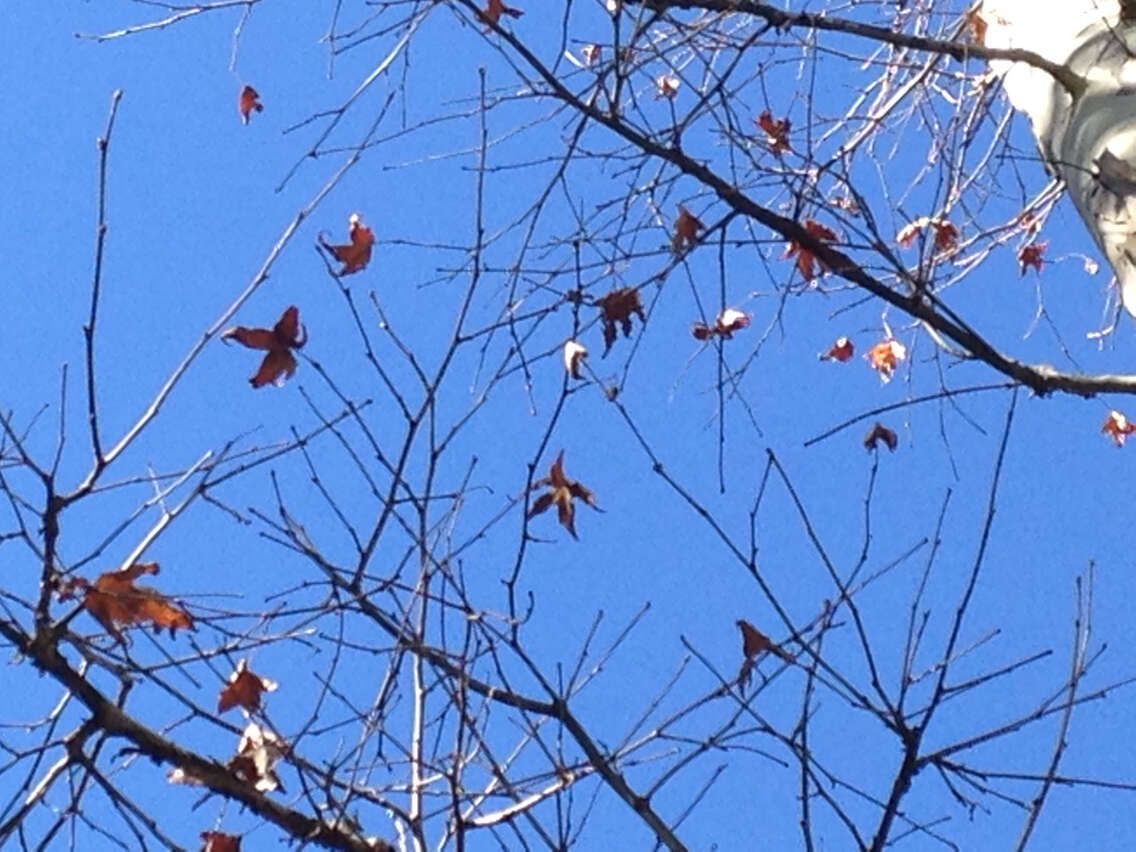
pixel 116 602
pixel 776 131
pixel 561 492
pixel 880 432
pixel 841 350
pixel 1031 255
pixel 573 353
pixel 247 101
pixel 666 86
pixel 244 689
pixel 219 841
pixel 356 254
pixel 279 364
pixel 805 256
pixel 686 230
pixel 885 357
pixel 1118 427
pixel 618 306
pixel 258 752
pixel 493 11
pixel 729 321
pixel 755 643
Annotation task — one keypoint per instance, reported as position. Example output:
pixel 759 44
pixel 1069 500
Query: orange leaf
pixel 495 9
pixel 1030 255
pixel 1118 427
pixel 841 350
pixel 805 257
pixel 880 432
pixel 618 306
pixel 279 364
pixel 885 357
pixel 115 601
pixel 218 841
pixel 244 689
pixel 561 491
pixel 355 254
pixel 686 230
pixel 247 102
pixel 776 131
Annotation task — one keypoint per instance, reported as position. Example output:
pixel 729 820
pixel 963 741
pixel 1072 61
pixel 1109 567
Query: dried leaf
pixel 1030 255
pixel 977 26
pixel 116 602
pixel 885 357
pixel 244 689
pixel 356 254
pixel 754 642
pixel 666 86
pixel 618 306
pixel 561 492
pixel 573 352
pixel 701 331
pixel 279 364
pixel 805 257
pixel 686 229
pixel 776 131
pixel 880 432
pixel 591 53
pixel 1118 427
pixel 729 321
pixel 248 101
pixel 257 754
pixel 841 350
pixel 946 234
pixel 492 13
pixel 218 841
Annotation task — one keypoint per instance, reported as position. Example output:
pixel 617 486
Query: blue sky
pixel 194 210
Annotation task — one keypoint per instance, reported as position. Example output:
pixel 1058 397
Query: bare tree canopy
pixel 595 425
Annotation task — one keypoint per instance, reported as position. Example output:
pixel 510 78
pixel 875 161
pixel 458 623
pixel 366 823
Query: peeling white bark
pixel 1088 139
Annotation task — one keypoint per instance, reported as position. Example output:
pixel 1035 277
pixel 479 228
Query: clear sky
pixel 196 203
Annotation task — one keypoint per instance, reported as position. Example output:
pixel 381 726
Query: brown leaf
pixel 977 26
pixel 218 841
pixel 493 11
pixel 701 331
pixel 666 86
pixel 885 357
pixel 686 230
pixel 841 350
pixel 618 306
pixel 244 689
pixel 880 432
pixel 561 493
pixel 776 131
pixel 729 321
pixel 591 53
pixel 247 102
pixel 1118 427
pixel 946 234
pixel 755 642
pixel 279 364
pixel 116 602
pixel 805 257
pixel 356 254
pixel 1030 255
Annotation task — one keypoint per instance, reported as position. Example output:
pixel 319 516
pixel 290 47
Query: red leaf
pixel 1030 255
pixel 279 364
pixel 218 841
pixel 247 102
pixel 776 131
pixel 805 257
pixel 1118 427
pixel 244 689
pixel 841 350
pixel 356 254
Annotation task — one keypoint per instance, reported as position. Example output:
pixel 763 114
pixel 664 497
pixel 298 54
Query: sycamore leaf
pixel 776 131
pixel 729 321
pixel 219 841
pixel 116 602
pixel 946 234
pixel 573 353
pixel 279 364
pixel 841 350
pixel 755 643
pixel 561 492
pixel 885 357
pixel 618 306
pixel 666 86
pixel 880 432
pixel 248 101
pixel 356 254
pixel 244 689
pixel 1118 427
pixel 1030 255
pixel 805 257
pixel 257 754
pixel 686 230
pixel 492 13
